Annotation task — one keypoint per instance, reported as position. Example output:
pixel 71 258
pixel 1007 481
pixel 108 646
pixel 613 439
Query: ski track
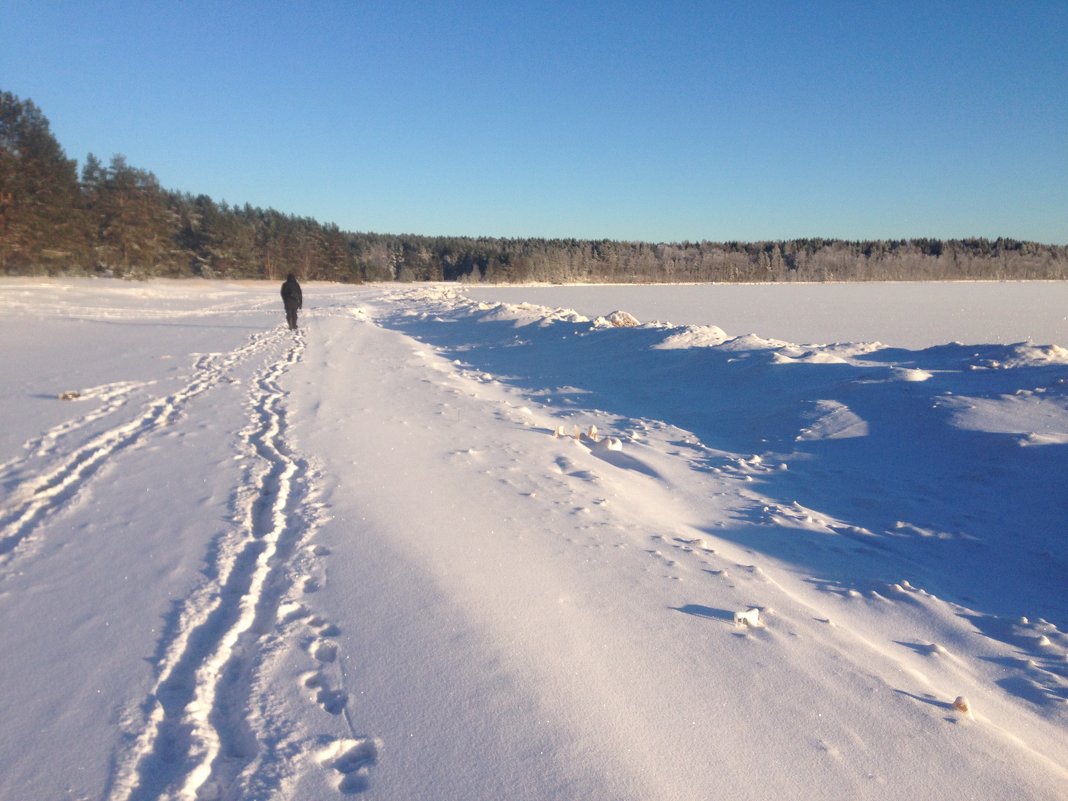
pixel 202 735
pixel 35 500
pixel 112 398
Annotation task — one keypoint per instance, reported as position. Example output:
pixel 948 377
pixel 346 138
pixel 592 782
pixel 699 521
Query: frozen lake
pixel 911 315
pixel 431 547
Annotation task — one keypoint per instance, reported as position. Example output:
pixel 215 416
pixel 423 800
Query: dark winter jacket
pixel 291 295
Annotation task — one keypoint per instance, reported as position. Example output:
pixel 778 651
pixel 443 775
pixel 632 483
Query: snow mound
pixel 911 374
pixel 1026 354
pixel 1039 420
pixel 830 419
pixel 617 319
pixel 1034 438
pixel 1022 354
pixel 836 353
pixel 787 356
pixel 755 342
pixel 526 314
pixel 694 336
pixel 852 350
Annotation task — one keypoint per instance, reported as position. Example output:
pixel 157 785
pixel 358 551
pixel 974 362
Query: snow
pixel 912 315
pixel 436 545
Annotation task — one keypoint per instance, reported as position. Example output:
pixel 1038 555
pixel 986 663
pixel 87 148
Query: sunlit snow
pixel 439 546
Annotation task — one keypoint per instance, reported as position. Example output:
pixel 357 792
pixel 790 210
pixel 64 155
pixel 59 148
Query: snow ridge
pixel 197 738
pixel 36 499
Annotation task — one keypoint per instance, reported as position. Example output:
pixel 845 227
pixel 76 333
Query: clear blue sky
pixel 657 120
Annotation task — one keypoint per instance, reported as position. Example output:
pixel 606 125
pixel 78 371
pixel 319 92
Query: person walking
pixel 292 300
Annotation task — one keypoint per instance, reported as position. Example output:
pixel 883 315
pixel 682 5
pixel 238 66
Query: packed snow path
pixel 428 548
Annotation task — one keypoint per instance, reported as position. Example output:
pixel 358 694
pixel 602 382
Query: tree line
pixel 116 219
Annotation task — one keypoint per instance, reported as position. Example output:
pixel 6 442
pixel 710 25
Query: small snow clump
pixel 750 618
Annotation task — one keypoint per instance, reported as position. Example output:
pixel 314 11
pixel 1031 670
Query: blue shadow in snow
pixel 705 611
pixel 970 516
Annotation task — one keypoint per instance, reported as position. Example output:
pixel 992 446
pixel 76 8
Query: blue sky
pixel 657 121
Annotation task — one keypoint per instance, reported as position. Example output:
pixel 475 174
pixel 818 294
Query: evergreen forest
pixel 115 219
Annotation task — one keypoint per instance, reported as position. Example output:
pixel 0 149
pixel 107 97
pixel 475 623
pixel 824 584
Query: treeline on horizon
pixel 116 219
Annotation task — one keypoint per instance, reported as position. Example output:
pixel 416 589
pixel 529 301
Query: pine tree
pixel 136 231
pixel 41 226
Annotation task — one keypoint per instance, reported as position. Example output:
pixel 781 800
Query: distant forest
pixel 116 219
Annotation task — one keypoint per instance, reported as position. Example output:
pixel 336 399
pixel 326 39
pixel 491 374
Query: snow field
pixel 907 315
pixel 434 547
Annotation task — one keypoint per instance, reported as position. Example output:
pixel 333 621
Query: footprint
pixel 333 701
pixel 288 612
pixel 355 766
pixel 353 760
pixel 325 629
pixel 324 650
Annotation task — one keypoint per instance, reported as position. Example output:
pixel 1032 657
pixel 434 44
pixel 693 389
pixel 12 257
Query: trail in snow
pixel 112 398
pixel 197 740
pixel 40 493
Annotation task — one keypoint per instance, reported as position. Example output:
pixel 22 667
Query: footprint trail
pixel 196 739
